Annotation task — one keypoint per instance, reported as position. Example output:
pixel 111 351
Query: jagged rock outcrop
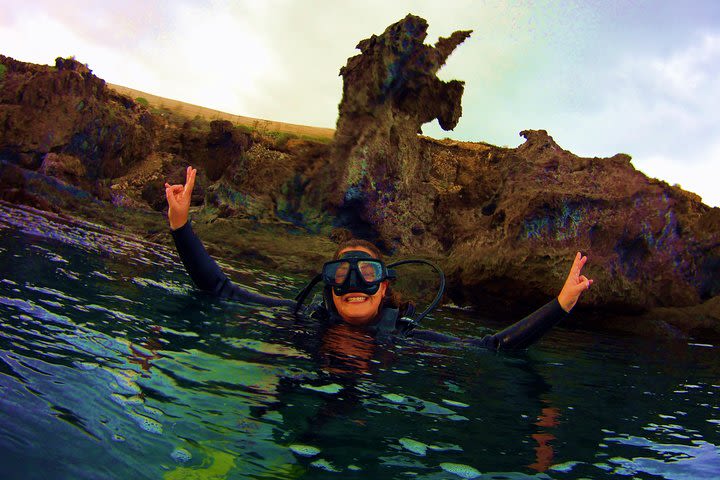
pixel 64 122
pixel 67 110
pixel 511 219
pixel 215 150
pixel 389 91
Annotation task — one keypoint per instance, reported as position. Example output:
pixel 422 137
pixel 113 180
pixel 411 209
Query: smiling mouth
pixel 356 299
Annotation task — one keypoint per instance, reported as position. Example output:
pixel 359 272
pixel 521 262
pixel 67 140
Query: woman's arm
pixel 517 336
pixel 203 270
pixel 530 329
pixel 522 334
pixel 527 331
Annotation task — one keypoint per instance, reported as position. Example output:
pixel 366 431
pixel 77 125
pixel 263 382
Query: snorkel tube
pixel 414 322
pixel 409 321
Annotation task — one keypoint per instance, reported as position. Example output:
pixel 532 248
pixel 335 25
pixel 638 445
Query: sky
pixel 601 76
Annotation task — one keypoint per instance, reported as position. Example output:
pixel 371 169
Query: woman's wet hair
pixel 356 242
pixel 392 298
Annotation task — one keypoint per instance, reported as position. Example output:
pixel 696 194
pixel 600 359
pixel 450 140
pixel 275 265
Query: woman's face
pixel 359 308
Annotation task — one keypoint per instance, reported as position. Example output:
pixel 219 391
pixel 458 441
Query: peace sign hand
pixel 575 284
pixel 178 198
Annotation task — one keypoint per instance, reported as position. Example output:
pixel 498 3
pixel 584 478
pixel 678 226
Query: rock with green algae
pixel 220 465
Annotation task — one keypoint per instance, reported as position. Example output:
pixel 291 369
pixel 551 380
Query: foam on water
pixel 181 455
pixel 325 465
pixel 414 446
pixel 463 471
pixel 330 389
pixel 146 423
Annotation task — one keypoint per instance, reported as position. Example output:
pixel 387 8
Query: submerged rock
pixel 181 455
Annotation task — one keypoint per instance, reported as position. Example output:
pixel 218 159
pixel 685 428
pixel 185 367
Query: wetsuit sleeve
pixel 518 336
pixel 527 331
pixel 207 276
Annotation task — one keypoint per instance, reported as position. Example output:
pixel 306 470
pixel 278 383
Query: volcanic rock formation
pixel 503 222
pixel 390 90
pixel 507 220
pixel 68 110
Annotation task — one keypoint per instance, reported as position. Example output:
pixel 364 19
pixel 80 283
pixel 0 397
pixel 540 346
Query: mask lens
pixel 370 271
pixel 335 273
pixel 341 272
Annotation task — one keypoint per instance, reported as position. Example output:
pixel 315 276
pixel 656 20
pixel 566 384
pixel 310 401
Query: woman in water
pixel 357 290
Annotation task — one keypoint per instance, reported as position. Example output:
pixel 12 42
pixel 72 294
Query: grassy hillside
pixel 191 111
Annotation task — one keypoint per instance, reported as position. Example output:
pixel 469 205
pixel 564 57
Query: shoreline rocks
pixel 503 222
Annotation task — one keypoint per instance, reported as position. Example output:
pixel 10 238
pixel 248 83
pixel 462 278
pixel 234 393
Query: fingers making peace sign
pixel 575 284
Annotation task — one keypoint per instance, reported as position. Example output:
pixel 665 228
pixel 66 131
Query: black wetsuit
pixel 207 276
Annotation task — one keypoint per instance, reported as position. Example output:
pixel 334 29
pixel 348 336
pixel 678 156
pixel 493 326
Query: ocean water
pixel 113 367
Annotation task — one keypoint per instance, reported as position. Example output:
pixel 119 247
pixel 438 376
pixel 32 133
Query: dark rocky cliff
pixel 503 222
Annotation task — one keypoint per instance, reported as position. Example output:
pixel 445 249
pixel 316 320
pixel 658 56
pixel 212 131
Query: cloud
pixel 670 106
pixel 662 109
pixel 212 57
pixel 209 53
pixel 686 74
pixel 681 87
pixel 40 38
pixel 692 174
pixel 99 23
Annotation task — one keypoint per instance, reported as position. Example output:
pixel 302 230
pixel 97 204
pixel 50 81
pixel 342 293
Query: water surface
pixel 112 367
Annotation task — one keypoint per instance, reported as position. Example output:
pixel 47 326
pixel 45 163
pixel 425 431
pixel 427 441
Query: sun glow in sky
pixel 602 77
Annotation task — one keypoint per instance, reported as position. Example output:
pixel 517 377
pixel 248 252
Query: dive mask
pixel 356 271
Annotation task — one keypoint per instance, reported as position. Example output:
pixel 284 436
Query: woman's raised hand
pixel 178 198
pixel 575 284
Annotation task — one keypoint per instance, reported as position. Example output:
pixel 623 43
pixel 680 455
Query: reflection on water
pixel 112 366
pixel 544 452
